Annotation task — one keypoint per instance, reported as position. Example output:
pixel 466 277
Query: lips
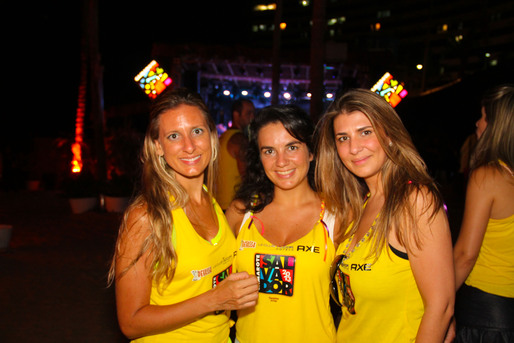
pixel 285 173
pixel 360 161
pixel 191 160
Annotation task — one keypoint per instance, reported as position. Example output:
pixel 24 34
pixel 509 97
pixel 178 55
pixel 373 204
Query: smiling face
pixel 285 159
pixel 358 146
pixel 184 141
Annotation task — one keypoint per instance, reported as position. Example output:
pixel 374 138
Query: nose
pixel 189 145
pixel 281 159
pixel 355 146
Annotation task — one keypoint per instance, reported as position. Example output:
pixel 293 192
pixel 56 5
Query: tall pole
pixel 275 71
pixel 317 58
pixel 97 101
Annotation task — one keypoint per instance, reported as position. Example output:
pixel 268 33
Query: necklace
pixel 347 253
pixel 504 165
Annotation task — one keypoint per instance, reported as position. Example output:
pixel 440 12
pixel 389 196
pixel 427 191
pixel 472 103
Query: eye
pixel 293 148
pixel 173 136
pixel 343 138
pixel 367 132
pixel 267 151
pixel 198 131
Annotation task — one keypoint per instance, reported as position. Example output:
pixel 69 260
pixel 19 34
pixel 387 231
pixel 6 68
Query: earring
pixel 390 143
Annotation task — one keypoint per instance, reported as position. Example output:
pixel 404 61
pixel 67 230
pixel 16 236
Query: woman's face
pixel 285 159
pixel 358 146
pixel 184 141
pixel 481 124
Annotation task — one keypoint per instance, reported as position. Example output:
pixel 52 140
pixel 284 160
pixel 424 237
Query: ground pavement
pixel 53 276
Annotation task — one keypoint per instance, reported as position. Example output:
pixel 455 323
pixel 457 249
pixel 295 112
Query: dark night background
pixel 53 275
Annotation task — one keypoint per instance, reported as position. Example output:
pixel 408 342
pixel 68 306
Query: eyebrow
pixel 265 147
pixel 360 129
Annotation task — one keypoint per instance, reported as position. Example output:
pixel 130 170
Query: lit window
pixel 332 21
pixel 283 26
pixel 341 19
pixel 262 7
pixel 305 3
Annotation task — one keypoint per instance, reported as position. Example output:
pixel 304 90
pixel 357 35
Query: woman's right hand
pixel 236 292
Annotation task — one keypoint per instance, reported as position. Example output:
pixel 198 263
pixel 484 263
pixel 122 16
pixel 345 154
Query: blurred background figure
pixel 233 144
pixel 484 251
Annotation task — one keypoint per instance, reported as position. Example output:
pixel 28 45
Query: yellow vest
pixel 494 269
pixel 293 304
pixel 387 306
pixel 201 265
pixel 228 177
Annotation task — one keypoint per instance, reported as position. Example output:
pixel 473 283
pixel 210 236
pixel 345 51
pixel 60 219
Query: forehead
pixel 182 115
pixel 351 119
pixel 274 134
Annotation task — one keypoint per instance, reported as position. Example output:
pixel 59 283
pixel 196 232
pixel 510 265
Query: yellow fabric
pixel 228 177
pixel 387 304
pixel 494 269
pixel 200 266
pixel 299 273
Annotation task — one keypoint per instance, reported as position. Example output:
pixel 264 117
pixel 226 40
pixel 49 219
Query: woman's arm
pixel 432 266
pixel 137 317
pixel 477 210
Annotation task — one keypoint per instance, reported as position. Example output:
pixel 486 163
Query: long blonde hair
pixel 158 184
pixel 403 172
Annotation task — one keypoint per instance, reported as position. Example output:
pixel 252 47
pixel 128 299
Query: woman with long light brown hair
pixel 393 274
pixel 173 260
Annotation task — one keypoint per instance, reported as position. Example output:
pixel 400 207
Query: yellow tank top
pixel 494 269
pixel 201 265
pixel 293 304
pixel 384 302
pixel 228 177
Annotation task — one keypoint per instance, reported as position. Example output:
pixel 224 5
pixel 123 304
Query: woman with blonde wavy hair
pixel 172 265
pixel 393 274
pixel 484 251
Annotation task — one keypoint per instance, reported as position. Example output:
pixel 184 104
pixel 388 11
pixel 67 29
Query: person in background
pixel 484 251
pixel 233 144
pixel 284 233
pixel 393 275
pixel 173 259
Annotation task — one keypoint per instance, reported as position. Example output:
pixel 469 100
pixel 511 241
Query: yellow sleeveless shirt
pixel 293 304
pixel 494 269
pixel 201 265
pixel 385 304
pixel 228 177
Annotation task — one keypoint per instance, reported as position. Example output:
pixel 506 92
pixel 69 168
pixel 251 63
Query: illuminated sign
pixel 153 79
pixel 390 89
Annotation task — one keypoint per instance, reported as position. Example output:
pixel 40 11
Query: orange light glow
pixel 76 163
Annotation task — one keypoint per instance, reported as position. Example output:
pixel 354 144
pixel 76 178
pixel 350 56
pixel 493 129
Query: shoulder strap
pixel 329 218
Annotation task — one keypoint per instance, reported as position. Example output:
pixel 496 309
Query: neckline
pixel 261 233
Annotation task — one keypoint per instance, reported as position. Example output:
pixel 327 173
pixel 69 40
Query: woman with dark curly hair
pixel 284 233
